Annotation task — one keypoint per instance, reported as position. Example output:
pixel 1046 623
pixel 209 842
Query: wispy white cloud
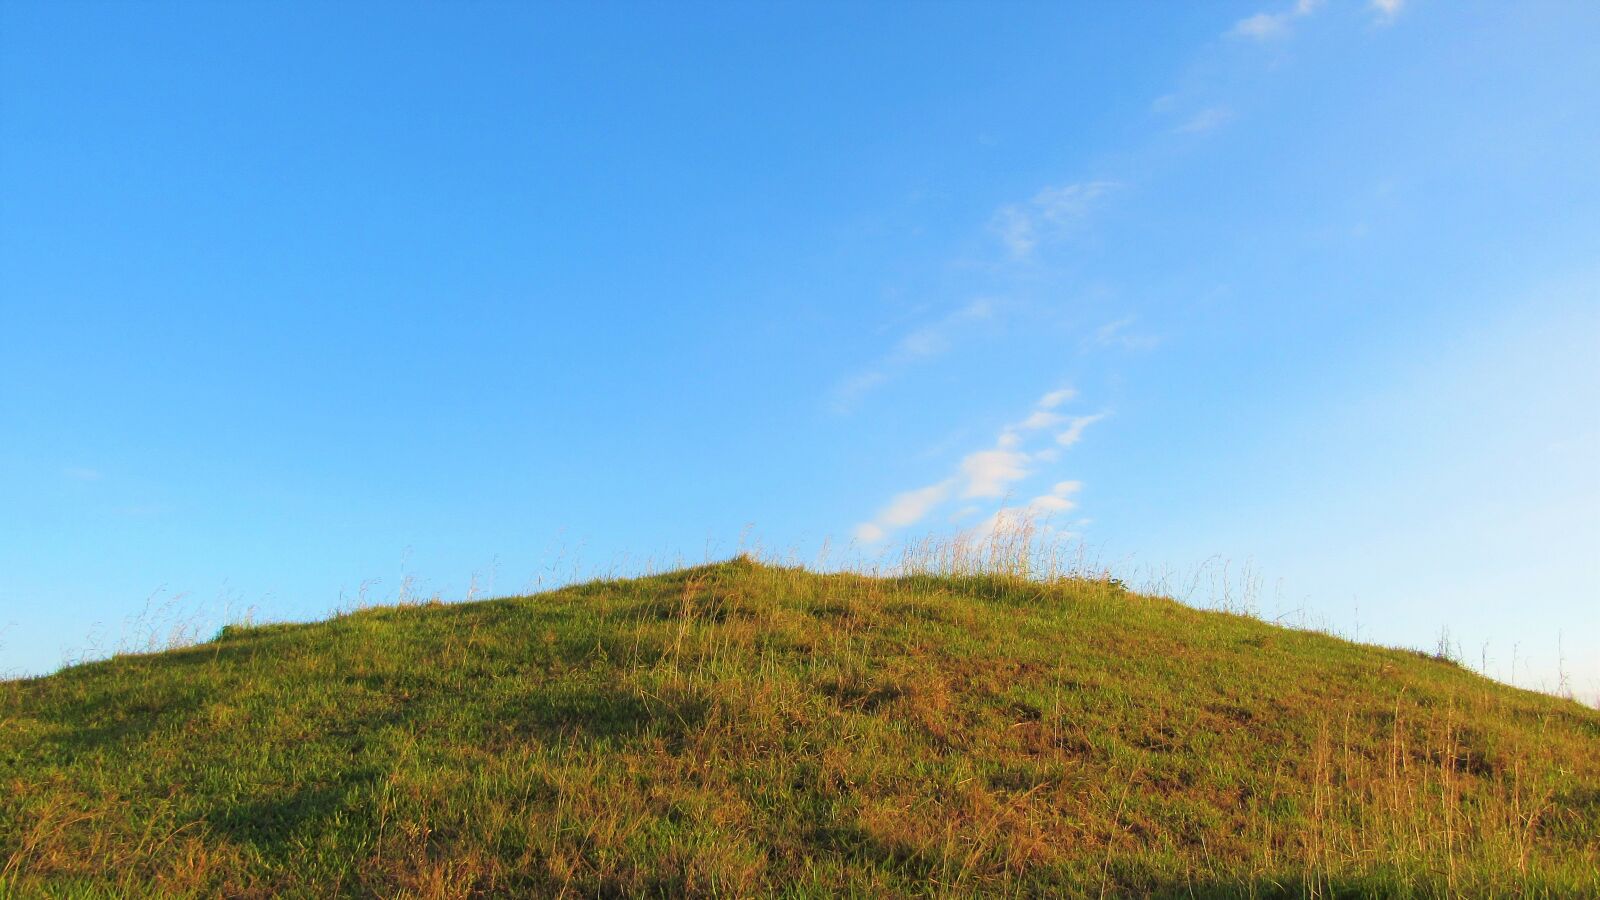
pixel 911 506
pixel 1043 417
pixel 1262 26
pixel 922 343
pixel 1050 215
pixel 849 390
pixel 1075 429
pixel 1025 228
pixel 935 338
pixel 1386 9
pixel 1049 503
pixel 991 473
pixel 1057 500
pixel 1119 334
pixel 870 533
pixel 1056 398
pixel 82 473
pixel 904 509
pixel 1039 419
pixel 1266 26
pixel 1205 120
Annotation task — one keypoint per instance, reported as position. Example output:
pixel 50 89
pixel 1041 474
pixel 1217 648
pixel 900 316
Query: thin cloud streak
pixel 1117 334
pixel 1051 215
pixel 1075 429
pixel 1386 9
pixel 1206 120
pixel 1265 26
pixel 919 345
pixel 1056 398
pixel 991 473
pixel 903 509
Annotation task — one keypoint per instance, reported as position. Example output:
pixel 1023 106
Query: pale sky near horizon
pixel 301 301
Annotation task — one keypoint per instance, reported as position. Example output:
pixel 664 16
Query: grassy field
pixel 750 730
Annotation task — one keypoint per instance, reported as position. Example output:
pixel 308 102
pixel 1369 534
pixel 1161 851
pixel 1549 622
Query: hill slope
pixel 740 729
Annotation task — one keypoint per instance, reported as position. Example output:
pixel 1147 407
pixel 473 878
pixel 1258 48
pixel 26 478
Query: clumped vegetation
pixel 741 730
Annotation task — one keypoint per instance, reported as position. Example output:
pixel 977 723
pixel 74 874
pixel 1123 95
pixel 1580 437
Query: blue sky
pixel 297 299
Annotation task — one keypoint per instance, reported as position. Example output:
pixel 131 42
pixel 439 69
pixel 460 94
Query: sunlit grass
pixel 973 721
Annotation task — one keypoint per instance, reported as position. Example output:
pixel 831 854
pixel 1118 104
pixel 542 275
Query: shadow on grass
pixel 603 713
pixel 271 822
pixel 116 720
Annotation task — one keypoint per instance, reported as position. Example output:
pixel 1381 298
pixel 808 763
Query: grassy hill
pixel 741 730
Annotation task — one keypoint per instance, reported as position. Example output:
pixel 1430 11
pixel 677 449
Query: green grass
pixel 743 730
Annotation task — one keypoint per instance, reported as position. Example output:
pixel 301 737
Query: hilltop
pixel 740 730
